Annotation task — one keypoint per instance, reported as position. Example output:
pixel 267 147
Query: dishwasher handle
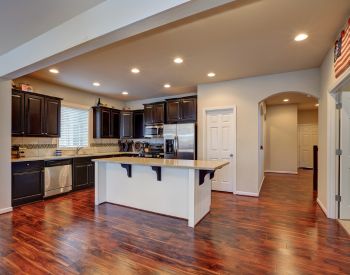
pixel 52 163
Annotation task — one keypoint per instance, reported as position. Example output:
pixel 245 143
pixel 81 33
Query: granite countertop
pixel 176 163
pixel 70 157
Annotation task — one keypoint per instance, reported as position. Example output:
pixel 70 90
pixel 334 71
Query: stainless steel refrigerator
pixel 180 141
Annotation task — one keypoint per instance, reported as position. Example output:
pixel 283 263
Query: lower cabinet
pixel 83 173
pixel 27 182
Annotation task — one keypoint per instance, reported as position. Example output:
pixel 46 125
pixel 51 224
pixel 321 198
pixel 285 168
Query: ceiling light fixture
pixel 178 60
pixel 135 70
pixel 286 100
pixel 211 74
pixel 54 71
pixel 167 85
pixel 96 84
pixel 301 37
pixel 125 93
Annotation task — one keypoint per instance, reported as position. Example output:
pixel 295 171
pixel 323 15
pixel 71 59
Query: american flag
pixel 342 51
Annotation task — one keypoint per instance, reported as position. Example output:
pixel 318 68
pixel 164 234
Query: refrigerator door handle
pixel 176 145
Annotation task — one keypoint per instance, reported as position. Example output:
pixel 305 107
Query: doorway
pixel 220 144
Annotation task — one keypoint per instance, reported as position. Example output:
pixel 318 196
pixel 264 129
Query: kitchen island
pixel 173 187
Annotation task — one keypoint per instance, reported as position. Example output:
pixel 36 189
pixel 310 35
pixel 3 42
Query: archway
pixel 288 131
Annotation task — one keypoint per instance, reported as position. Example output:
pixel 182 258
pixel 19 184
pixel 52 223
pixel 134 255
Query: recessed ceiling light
pixel 125 93
pixel 211 74
pixel 316 105
pixel 167 85
pixel 178 60
pixel 135 70
pixel 301 37
pixel 286 99
pixel 54 71
pixel 96 84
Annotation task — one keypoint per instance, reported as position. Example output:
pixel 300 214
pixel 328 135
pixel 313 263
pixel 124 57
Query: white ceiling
pixel 30 18
pixel 303 101
pixel 244 39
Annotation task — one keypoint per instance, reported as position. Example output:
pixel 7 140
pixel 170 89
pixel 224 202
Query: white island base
pixel 177 192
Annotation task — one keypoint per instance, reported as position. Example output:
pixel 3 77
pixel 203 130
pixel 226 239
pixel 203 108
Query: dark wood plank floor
pixel 282 232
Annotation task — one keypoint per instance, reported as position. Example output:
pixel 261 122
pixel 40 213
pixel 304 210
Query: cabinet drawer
pixel 27 166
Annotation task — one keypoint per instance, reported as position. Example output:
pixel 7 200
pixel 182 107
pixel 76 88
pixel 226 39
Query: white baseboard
pixel 281 172
pixel 5 210
pixel 324 209
pixel 249 194
pixel 261 184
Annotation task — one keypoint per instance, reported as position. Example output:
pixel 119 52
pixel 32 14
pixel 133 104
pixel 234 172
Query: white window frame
pixel 77 106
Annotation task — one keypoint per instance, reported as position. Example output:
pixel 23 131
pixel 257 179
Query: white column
pixel 5 146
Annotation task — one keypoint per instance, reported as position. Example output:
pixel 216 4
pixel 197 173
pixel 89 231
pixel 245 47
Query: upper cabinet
pixel 181 110
pixel 139 124
pixel 126 124
pixel 154 113
pixel 106 122
pixel 35 115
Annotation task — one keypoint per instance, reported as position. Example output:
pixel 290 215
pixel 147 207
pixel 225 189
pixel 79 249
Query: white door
pixel 345 158
pixel 221 145
pixel 308 137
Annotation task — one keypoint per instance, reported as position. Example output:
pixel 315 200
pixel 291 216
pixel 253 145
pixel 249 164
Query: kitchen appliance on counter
pixel 152 150
pixel 154 131
pixel 180 141
pixel 58 177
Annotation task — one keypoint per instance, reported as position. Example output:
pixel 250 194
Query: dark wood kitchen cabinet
pixel 138 124
pixel 126 124
pixel 181 110
pixel 154 113
pixel 27 182
pixel 17 113
pixel 35 114
pixel 83 173
pixel 106 122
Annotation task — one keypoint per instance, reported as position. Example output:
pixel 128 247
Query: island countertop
pixel 175 163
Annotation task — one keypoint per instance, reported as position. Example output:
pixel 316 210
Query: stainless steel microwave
pixel 154 131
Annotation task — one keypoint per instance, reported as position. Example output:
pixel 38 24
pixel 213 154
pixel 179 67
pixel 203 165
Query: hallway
pixel 282 232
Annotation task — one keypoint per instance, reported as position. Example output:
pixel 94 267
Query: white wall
pixel 246 95
pixel 5 146
pixel 69 95
pixel 307 116
pixel 281 152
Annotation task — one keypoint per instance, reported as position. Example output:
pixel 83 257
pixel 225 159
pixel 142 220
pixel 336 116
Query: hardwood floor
pixel 282 232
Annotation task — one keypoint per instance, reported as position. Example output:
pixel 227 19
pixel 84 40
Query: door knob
pixel 231 155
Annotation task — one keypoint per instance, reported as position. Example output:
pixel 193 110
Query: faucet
pixel 78 149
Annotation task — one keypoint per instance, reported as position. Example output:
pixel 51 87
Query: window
pixel 74 127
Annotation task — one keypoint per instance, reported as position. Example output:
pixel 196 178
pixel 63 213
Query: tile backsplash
pixel 43 147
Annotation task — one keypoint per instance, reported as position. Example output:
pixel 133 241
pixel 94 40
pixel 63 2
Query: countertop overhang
pixel 210 165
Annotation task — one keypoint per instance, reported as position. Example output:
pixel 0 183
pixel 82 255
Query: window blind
pixel 74 127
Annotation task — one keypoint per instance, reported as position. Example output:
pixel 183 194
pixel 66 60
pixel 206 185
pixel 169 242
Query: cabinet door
pixel 27 186
pixel 34 106
pixel 81 176
pixel 148 114
pixel 53 117
pixel 91 174
pixel 126 127
pixel 173 111
pixel 115 124
pixel 17 113
pixel 106 123
pixel 158 113
pixel 138 124
pixel 189 109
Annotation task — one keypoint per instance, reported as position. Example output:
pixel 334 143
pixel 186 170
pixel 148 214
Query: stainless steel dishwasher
pixel 58 177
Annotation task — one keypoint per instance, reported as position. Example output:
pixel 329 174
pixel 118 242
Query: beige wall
pixel 5 146
pixel 246 95
pixel 307 116
pixel 281 152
